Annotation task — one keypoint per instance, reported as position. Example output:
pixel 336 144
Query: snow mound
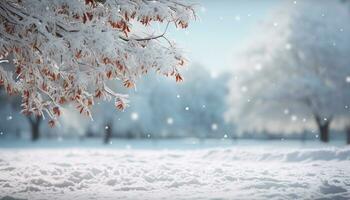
pixel 281 155
pixel 171 174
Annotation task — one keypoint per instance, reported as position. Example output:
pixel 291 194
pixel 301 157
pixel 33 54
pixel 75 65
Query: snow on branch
pixel 65 51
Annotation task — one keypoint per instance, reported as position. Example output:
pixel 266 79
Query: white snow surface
pixel 230 173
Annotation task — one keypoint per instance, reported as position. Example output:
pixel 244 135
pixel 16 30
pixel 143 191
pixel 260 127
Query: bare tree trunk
pixel 324 130
pixel 323 126
pixel 108 133
pixel 348 135
pixel 35 122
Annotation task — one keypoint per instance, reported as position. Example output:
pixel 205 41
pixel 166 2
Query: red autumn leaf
pixel 56 111
pixel 98 94
pixel 52 123
pixel 178 77
pixel 128 84
pixel 119 104
pixel 109 74
pixel 78 54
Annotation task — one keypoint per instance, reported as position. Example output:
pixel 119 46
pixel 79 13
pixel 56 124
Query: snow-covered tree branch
pixel 65 51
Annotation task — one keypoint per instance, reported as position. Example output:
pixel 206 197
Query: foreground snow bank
pixel 193 174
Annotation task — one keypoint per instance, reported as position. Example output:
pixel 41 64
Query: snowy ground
pixel 220 173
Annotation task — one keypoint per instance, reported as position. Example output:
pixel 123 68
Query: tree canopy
pixel 295 77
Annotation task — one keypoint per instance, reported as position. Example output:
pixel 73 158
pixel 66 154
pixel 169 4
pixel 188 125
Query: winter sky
pixel 222 30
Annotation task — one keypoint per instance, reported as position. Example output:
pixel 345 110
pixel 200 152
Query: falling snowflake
pixel 178 96
pixel 106 127
pixel 170 121
pixel 187 108
pixel 244 89
pixel 214 127
pixel 286 111
pixel 134 116
pixel 225 136
pixel 8 118
pixel 294 118
pixel 258 67
pixel 348 79
pixel 238 18
pixel 288 46
pixel 213 74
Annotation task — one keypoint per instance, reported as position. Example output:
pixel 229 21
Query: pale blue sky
pixel 223 29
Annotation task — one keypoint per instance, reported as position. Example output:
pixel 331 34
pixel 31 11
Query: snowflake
pixel 213 74
pixel 258 67
pixel 244 89
pixel 134 116
pixel 288 46
pixel 348 79
pixel 238 18
pixel 214 127
pixel 170 121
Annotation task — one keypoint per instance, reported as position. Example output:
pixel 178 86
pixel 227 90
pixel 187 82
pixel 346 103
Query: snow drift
pixel 170 174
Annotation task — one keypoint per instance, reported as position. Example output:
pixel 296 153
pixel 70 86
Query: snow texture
pixel 230 173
